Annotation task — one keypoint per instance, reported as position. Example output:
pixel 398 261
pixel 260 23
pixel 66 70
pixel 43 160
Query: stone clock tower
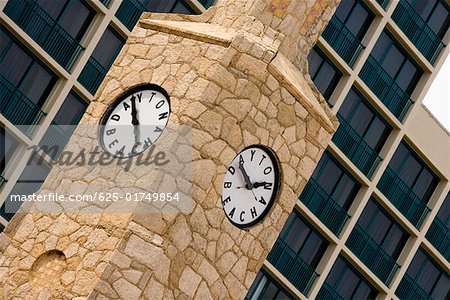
pixel 236 75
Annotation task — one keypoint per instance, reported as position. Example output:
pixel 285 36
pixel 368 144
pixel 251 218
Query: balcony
pixel 328 293
pixel 403 198
pixel 41 27
pixel 286 260
pixel 383 3
pixel 439 237
pixel 17 108
pixel 129 12
pixel 356 148
pixel 92 75
pixel 385 88
pixel 324 207
pixel 2 181
pixel 372 255
pixel 409 289
pixel 343 41
pixel 418 31
pixel 54 140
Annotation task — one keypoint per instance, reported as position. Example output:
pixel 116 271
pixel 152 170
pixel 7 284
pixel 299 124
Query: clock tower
pixel 237 77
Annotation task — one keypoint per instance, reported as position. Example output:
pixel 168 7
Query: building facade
pixel 373 220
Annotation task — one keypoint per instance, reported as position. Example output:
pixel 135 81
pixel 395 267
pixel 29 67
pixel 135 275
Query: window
pixel 22 71
pixel 444 212
pixel 356 16
pixel 264 287
pixel 335 181
pixel 29 182
pixel 382 229
pixel 303 240
pixel 6 151
pixel 177 6
pixel 365 120
pixel 413 172
pixel 436 13
pixel 427 276
pixel 324 74
pixel 72 15
pixel 71 110
pixel 396 62
pixel 347 283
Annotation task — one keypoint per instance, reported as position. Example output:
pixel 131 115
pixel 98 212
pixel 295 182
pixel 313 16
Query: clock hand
pixel 246 177
pixel 259 184
pixel 134 119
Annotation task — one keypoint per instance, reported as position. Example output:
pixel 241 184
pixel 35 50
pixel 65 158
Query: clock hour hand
pixel 134 119
pixel 248 182
pixel 260 184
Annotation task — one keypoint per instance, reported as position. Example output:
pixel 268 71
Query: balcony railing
pixel 372 255
pixel 17 108
pixel 343 41
pixel 410 289
pixel 44 30
pixel 2 181
pixel 439 237
pixel 403 198
pixel 418 31
pixel 206 3
pixel 356 148
pixel 55 139
pixel 383 3
pixel 105 2
pixel 92 75
pixel 328 293
pixel 385 88
pixel 324 207
pixel 286 260
pixel 129 12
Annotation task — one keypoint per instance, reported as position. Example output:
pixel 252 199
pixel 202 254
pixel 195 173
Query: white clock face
pixel 135 121
pixel 250 186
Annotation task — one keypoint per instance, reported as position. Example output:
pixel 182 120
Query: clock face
pixel 135 121
pixel 250 186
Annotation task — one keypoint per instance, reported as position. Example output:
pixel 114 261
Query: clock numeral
pixel 110 131
pixel 253 154
pixel 115 118
pixel 232 170
pixel 163 115
pixel 267 171
pixel 241 218
pixel 262 159
pixel 262 201
pixel 113 143
pixel 126 106
pixel 226 200
pixel 148 142
pixel 160 104
pixel 139 96
pixel 253 212
pixel 231 213
pixel 227 184
pixel 158 129
pixel 120 152
pixel 241 160
pixel 151 98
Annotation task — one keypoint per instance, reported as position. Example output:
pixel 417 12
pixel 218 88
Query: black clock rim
pixel 122 96
pixel 276 164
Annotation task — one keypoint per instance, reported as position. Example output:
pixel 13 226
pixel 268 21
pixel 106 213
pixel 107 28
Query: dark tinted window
pixel 7 148
pixel 324 74
pixel 108 48
pixel 414 172
pixel 428 276
pixel 71 110
pixel 365 120
pixel 378 224
pixel 303 240
pixel 396 62
pixel 333 178
pixel 444 211
pixel 23 71
pixel 436 13
pixel 177 6
pixel 348 283
pixel 264 287
pixel 356 16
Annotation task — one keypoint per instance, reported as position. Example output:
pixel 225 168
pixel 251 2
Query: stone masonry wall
pixel 235 88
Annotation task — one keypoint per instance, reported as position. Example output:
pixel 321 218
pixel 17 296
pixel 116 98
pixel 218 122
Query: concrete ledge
pixel 204 32
pixel 291 78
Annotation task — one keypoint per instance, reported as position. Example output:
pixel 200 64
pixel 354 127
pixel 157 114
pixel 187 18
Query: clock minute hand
pixel 134 119
pixel 246 177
